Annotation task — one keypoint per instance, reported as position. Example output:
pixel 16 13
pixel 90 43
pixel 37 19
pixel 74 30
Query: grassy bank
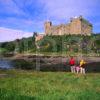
pixel 29 85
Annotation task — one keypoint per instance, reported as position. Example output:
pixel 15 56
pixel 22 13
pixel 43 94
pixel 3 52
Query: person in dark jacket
pixel 72 64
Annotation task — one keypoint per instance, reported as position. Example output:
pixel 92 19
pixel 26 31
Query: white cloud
pixel 23 24
pixel 64 9
pixel 7 34
pixel 9 7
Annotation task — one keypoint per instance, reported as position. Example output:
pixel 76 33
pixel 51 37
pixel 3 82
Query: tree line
pixel 64 43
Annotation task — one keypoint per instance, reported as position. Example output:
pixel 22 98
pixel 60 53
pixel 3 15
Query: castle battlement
pixel 77 25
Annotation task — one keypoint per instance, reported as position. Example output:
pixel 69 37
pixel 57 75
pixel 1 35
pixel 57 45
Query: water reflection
pixel 5 64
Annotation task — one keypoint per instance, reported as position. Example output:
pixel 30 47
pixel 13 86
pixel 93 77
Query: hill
pixel 69 44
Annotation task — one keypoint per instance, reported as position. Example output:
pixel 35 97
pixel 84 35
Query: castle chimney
pixel 71 19
pixel 80 17
pixel 47 26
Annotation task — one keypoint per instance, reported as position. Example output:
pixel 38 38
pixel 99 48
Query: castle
pixel 77 25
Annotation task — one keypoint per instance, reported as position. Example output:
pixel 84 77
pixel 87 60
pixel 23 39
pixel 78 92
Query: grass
pixel 30 85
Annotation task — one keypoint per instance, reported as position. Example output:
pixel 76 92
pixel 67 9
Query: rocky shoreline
pixel 52 63
pixel 55 59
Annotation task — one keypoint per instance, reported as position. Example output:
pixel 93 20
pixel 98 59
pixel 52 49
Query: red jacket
pixel 72 62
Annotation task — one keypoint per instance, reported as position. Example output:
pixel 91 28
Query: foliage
pixel 23 64
pixel 64 43
pixel 9 46
pixel 2 51
pixel 19 46
pixel 74 43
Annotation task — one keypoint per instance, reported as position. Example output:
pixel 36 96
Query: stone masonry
pixel 76 26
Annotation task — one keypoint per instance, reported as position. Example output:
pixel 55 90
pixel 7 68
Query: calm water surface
pixel 5 64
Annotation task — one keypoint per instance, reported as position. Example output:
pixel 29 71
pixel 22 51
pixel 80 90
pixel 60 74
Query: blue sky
pixel 20 18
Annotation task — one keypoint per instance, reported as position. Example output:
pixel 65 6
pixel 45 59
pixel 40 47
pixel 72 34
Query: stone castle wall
pixel 76 26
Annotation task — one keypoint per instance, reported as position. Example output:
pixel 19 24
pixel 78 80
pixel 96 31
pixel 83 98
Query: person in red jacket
pixel 72 64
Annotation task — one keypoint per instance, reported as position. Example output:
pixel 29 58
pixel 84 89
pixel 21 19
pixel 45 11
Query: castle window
pixel 80 19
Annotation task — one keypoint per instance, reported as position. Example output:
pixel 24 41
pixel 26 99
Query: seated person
pixel 77 68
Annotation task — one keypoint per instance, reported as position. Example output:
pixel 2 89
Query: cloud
pixel 55 10
pixel 64 9
pixel 24 15
pixel 9 7
pixel 7 34
pixel 23 24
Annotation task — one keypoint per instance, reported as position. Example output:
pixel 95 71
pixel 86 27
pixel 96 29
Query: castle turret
pixel 79 25
pixel 75 25
pixel 47 26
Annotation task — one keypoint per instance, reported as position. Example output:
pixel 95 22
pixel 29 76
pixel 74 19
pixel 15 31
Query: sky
pixel 20 18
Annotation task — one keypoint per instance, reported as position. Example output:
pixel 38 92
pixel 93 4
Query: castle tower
pixel 79 25
pixel 86 27
pixel 47 26
pixel 75 25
